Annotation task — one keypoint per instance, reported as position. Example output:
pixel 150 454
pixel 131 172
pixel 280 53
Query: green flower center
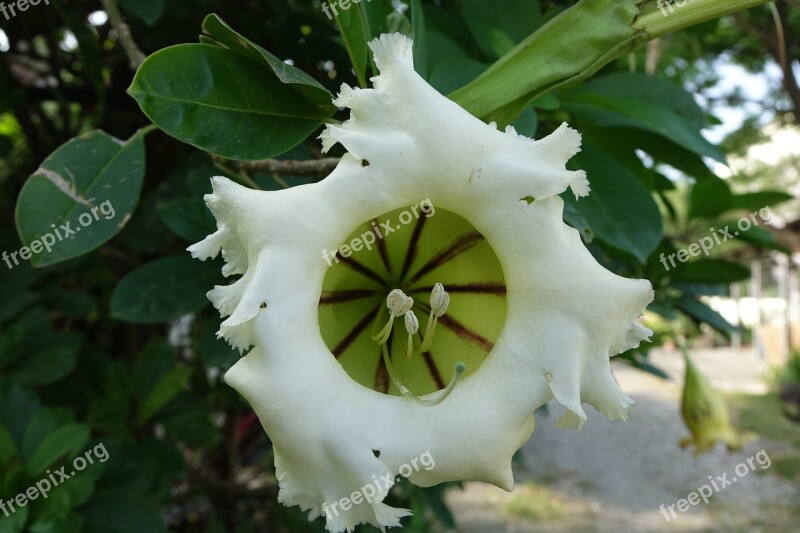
pixel 412 250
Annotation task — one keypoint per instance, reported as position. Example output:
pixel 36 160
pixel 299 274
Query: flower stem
pixel 657 20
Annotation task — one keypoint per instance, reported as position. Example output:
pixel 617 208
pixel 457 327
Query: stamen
pixel 440 300
pixel 412 326
pixel 398 304
pixel 458 369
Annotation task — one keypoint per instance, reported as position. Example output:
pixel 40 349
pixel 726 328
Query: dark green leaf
pixel 163 290
pixel 147 10
pixel 67 441
pixel 165 390
pixel 700 312
pixel 353 30
pixel 419 36
pixel 453 74
pixel 300 82
pixel 17 406
pixel 188 218
pixel 122 512
pixel 88 186
pixel 47 366
pixel 498 26
pixel 8 448
pixel 709 198
pixel 222 102
pixel 754 201
pixel 709 271
pixel 629 221
pixel 610 111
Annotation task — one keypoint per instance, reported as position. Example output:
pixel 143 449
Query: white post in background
pixel 782 272
pixel 736 336
pixel 755 293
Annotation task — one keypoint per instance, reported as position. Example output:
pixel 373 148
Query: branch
pixel 135 56
pixel 311 167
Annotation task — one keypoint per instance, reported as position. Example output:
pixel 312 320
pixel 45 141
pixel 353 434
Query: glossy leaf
pixel 709 198
pixel 354 32
pixel 188 218
pixel 150 11
pixel 81 196
pixel 116 511
pixel 419 35
pixel 221 33
pixel 568 49
pixel 628 220
pixel 222 102
pixel 169 386
pixel 163 290
pixel 709 271
pixel 66 441
pixel 700 312
pixel 754 201
pixel 612 111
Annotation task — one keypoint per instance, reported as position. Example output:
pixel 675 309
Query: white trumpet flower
pixel 528 312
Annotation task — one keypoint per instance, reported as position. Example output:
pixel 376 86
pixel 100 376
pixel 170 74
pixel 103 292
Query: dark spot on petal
pixel 364 163
pixel 376 453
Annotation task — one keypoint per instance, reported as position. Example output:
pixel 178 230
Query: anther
pixel 440 300
pixel 398 304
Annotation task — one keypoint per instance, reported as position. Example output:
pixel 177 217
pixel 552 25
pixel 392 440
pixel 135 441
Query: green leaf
pixel 81 196
pixel 67 441
pixel 222 102
pixel 10 342
pixel 709 198
pixel 700 312
pixel 150 11
pixel 497 26
pixel 620 209
pixel 353 30
pixel 453 74
pixel 17 406
pixel 46 366
pixel 153 362
pixel 16 522
pixel 163 290
pixel 611 111
pixel 115 511
pixel 569 48
pixel 656 90
pixel 297 80
pixel 8 448
pixel 709 271
pixel 165 390
pixel 762 238
pixel 374 13
pixel 754 201
pixel 188 218
pixel 419 36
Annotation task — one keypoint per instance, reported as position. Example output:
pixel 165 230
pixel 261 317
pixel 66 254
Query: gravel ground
pixel 613 476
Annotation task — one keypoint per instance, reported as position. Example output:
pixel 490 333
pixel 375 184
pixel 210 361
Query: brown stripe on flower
pixel 335 297
pixel 411 251
pixel 461 245
pixel 461 330
pixel 357 330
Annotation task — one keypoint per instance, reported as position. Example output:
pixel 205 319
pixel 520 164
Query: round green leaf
pixel 222 102
pixel 66 441
pixel 163 290
pixel 81 196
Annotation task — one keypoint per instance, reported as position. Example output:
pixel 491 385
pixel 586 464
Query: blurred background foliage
pixel 112 337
